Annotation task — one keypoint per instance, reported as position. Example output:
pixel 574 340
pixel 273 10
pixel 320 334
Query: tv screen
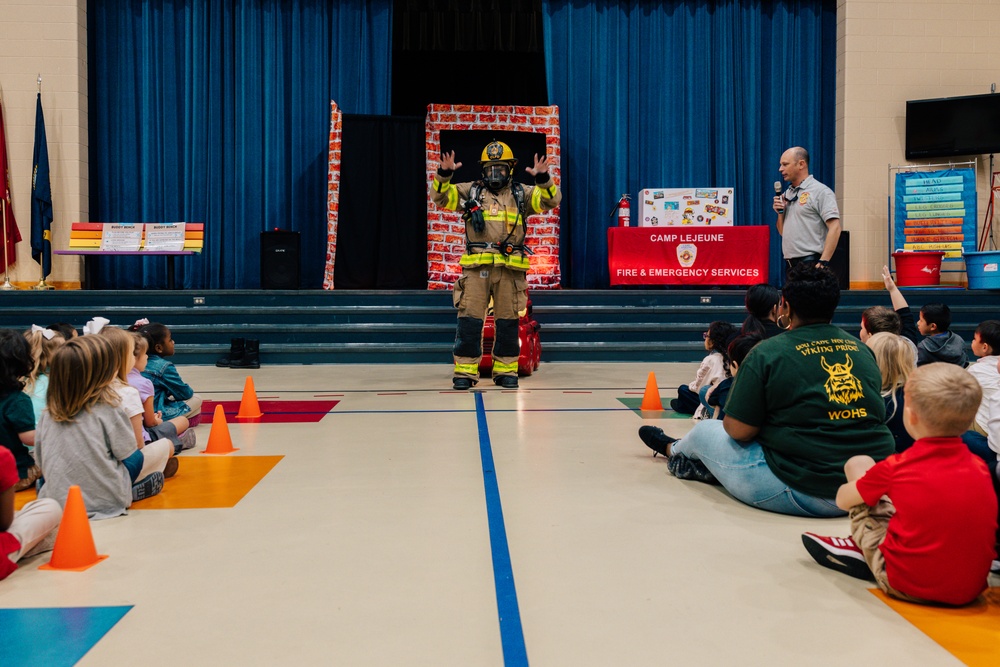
pixel 952 126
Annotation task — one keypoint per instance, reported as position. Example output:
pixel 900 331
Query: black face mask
pixel 497 176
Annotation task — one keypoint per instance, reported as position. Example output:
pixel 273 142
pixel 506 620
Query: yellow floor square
pixel 200 482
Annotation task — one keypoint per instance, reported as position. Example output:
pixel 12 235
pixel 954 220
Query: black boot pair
pixel 243 353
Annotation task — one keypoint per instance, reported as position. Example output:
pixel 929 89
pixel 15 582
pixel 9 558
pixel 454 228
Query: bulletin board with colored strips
pixel 936 210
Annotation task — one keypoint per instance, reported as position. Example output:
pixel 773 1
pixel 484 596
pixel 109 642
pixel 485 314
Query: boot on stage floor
pixel 250 357
pixel 236 353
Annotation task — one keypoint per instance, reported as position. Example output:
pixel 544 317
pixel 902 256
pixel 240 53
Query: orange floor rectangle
pixel 200 482
pixel 971 634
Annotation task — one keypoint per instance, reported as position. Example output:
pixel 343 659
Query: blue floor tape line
pixel 53 636
pixel 515 654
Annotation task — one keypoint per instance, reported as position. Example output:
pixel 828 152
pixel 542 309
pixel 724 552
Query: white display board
pixel 673 207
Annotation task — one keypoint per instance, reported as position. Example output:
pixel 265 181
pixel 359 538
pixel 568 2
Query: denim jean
pixel 742 470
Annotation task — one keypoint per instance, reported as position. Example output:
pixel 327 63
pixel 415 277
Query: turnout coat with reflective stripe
pixel 503 221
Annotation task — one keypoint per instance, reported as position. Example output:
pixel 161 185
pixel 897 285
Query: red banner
pixel 688 255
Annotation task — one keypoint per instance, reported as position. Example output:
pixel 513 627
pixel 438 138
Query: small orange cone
pixel 74 549
pixel 249 408
pixel 651 399
pixel 219 441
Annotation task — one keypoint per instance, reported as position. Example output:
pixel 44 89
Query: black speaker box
pixel 840 263
pixel 279 260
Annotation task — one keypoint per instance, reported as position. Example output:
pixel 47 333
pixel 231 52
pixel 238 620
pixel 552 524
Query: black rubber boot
pixel 251 355
pixel 236 351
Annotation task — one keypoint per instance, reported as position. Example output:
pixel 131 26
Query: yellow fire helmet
pixel 498 165
pixel 497 151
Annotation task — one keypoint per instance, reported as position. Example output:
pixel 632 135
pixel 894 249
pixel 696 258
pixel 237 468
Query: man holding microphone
pixel 808 217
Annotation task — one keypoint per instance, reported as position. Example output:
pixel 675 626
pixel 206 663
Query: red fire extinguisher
pixel 624 211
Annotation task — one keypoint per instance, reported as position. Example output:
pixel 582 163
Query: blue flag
pixel 41 196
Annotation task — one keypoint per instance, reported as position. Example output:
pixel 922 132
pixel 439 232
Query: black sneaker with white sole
pixel 838 553
pixel 656 439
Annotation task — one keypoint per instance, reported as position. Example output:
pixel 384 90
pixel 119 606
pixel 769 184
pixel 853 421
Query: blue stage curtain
pixel 679 94
pixel 219 112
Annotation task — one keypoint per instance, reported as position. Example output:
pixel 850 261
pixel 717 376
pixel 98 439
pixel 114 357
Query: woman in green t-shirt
pixel 802 404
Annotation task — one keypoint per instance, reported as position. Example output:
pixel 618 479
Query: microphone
pixel 777 192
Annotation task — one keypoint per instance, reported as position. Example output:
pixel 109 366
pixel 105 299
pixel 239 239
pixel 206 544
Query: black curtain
pixel 382 227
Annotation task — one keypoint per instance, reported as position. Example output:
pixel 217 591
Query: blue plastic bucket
pixel 983 269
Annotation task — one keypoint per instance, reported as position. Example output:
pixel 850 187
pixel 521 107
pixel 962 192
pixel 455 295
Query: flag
pixel 41 196
pixel 7 214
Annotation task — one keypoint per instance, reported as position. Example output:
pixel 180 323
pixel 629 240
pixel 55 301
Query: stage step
pixel 308 327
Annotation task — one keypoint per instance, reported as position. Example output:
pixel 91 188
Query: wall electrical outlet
pixel 704 299
pixel 199 301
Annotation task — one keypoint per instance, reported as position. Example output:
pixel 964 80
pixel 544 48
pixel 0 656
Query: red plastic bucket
pixel 918 268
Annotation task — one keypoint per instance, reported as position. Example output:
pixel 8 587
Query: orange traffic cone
pixel 74 549
pixel 249 408
pixel 651 399
pixel 219 441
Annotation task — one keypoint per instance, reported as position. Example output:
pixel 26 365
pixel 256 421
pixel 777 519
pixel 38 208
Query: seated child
pixel 986 346
pixel 939 344
pixel 175 429
pixel 171 390
pixel 896 359
pixel 17 420
pixel 23 533
pixel 761 302
pixel 123 349
pixel 86 439
pixel 922 522
pixel 712 370
pixel 715 397
pixel 897 320
pixel 43 343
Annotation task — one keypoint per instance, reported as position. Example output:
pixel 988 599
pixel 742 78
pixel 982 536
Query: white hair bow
pixel 95 325
pixel 140 323
pixel 47 333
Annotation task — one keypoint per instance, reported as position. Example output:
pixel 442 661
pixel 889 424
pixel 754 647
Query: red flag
pixel 7 213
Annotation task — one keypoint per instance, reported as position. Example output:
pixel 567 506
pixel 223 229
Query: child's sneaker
pixel 171 468
pixel 186 440
pixel 838 553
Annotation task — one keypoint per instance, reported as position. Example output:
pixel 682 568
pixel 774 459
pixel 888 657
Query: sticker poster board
pixel 674 207
pixel 936 210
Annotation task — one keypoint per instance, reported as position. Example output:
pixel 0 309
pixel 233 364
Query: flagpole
pixel 6 265
pixel 42 285
pixel 3 207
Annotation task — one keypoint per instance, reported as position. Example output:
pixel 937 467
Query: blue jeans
pixel 742 470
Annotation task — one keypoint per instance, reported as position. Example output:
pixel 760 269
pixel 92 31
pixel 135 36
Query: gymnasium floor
pixel 375 517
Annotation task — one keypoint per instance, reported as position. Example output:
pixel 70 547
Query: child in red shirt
pixel 25 533
pixel 923 522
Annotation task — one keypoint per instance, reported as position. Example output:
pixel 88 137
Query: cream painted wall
pixel 47 37
pixel 889 52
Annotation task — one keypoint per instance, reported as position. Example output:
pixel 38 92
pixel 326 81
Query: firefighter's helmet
pixel 498 165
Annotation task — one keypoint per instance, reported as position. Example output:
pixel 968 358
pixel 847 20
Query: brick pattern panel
pixel 445 230
pixel 333 193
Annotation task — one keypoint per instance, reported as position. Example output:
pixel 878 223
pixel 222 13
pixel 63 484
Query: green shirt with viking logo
pixel 814 393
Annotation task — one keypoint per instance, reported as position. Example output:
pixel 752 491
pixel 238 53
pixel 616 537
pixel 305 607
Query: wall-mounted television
pixel 952 126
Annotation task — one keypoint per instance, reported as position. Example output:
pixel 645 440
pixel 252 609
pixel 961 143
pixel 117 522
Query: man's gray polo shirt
pixel 808 208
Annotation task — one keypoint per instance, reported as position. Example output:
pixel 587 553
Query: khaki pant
pixel 472 293
pixel 868 528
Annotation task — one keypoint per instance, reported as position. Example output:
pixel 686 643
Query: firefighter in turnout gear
pixel 495 259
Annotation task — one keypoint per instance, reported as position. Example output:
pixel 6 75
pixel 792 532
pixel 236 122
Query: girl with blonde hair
pixel 43 344
pixel 84 437
pixel 896 360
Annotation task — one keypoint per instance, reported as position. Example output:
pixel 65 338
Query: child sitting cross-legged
pixel 711 371
pixel 86 439
pixel 923 521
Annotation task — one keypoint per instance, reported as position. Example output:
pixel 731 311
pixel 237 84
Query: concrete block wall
pixel 445 229
pixel 47 37
pixel 889 52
